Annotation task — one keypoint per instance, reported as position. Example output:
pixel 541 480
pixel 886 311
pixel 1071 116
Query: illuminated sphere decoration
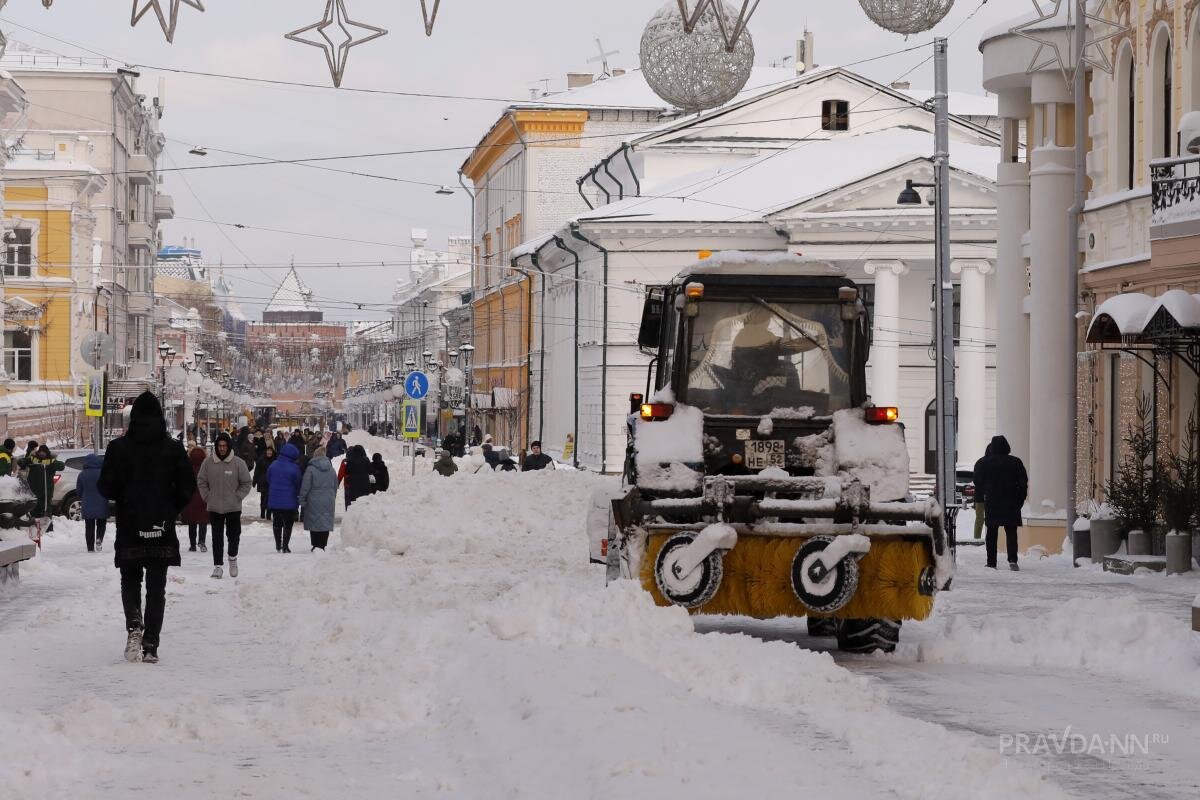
pixel 906 16
pixel 695 71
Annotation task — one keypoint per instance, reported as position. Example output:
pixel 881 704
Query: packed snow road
pixel 455 643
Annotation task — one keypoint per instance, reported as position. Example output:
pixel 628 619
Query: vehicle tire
pixel 695 589
pixel 72 507
pixel 833 591
pixel 868 635
pixel 822 627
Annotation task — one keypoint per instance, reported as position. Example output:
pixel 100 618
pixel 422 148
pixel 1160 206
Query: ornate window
pixel 1162 131
pixel 18 260
pixel 1125 101
pixel 18 356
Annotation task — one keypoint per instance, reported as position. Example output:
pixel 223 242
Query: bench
pixel 15 547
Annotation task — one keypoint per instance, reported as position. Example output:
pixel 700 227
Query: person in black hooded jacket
pixel 1001 479
pixel 147 474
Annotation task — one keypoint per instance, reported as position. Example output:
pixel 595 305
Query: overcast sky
pixel 491 48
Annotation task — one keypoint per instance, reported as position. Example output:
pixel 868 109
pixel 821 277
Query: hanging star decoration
pixel 430 16
pixel 167 21
pixel 336 54
pixel 1049 37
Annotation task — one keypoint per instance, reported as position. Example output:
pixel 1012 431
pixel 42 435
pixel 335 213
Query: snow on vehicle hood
pixel 875 454
pixel 679 439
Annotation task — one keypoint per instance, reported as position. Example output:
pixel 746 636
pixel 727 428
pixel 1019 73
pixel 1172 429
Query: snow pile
pixel 670 477
pixel 802 413
pixel 478 629
pixel 1114 636
pixel 816 453
pixel 766 426
pixel 680 438
pixel 13 489
pixel 875 454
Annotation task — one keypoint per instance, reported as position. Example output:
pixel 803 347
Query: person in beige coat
pixel 224 482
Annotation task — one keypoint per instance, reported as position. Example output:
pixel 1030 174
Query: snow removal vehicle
pixel 759 478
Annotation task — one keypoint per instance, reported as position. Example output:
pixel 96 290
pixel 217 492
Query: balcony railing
pixel 1175 197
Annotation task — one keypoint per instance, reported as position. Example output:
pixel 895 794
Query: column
pixel 1012 282
pixel 885 351
pixel 1051 179
pixel 972 361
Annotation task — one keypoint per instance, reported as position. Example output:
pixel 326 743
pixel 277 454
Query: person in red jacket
pixel 195 515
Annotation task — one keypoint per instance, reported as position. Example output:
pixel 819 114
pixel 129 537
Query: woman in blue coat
pixel 95 504
pixel 283 495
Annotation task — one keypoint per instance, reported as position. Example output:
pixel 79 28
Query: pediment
pixel 879 193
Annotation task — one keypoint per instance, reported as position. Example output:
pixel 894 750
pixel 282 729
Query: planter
pixel 1081 545
pixel 1105 539
pixel 1138 543
pixel 1179 552
pixel 1158 541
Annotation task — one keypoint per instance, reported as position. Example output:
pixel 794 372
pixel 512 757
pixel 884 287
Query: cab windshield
pixel 750 357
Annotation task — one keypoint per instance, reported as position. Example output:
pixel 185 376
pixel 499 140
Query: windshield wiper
pixel 788 322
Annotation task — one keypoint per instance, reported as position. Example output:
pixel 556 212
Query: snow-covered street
pixel 454 642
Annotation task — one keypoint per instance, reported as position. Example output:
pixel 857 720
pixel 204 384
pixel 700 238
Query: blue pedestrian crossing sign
pixel 416 385
pixel 412 419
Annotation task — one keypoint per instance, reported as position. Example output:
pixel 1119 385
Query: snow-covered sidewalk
pixel 455 642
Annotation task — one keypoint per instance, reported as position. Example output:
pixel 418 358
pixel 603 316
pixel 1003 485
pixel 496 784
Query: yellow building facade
pixel 48 305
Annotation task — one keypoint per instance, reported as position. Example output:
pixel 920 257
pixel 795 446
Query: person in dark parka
pixel 380 471
pixel 356 471
pixel 43 466
pixel 147 474
pixel 536 460
pixel 261 482
pixel 195 514
pixel 94 504
pixel 1002 479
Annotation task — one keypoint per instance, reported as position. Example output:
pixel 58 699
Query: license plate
pixel 765 454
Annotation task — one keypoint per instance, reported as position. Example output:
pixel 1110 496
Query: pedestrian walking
pixel 356 472
pixel 94 505
pixel 490 455
pixel 6 457
pixel 195 513
pixel 279 441
pixel 445 465
pixel 379 472
pixel 1005 486
pixel 980 499
pixel 284 495
pixel 318 497
pixel 147 474
pixel 42 467
pixel 261 482
pixel 245 448
pixel 536 460
pixel 224 482
pixel 336 446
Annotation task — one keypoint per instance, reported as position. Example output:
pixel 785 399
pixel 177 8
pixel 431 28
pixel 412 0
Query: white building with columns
pixel 815 168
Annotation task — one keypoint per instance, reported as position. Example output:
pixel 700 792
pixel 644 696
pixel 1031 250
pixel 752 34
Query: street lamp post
pixel 468 351
pixel 947 445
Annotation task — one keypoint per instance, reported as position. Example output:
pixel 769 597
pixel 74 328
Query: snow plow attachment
pixel 766 547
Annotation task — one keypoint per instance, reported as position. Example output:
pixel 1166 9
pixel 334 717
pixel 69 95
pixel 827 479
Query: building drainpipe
pixel 620 186
pixel 575 432
pixel 603 350
pixel 470 309
pixel 535 260
pixel 637 184
pixel 579 187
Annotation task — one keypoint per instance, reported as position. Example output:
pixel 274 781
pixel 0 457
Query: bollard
pixel 1179 552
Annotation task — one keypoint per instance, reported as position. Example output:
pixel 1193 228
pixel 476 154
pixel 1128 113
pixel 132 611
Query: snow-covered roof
pixel 745 191
pixel 1056 17
pixel 291 296
pixel 632 91
pixel 25 400
pixel 22 57
pixel 1126 316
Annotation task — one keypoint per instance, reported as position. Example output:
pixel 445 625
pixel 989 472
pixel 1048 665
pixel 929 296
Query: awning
pixel 1142 319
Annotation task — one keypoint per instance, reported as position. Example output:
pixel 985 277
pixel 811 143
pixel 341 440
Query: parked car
pixel 66 501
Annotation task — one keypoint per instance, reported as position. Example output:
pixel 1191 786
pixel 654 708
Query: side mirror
pixel 650 332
